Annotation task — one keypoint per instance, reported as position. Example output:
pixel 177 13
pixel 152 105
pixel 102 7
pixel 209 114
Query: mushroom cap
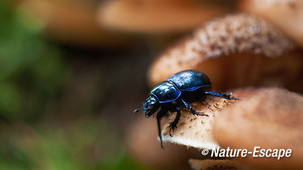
pixel 155 16
pixel 233 51
pixel 285 14
pixel 72 23
pixel 266 117
pixel 271 118
pixel 196 131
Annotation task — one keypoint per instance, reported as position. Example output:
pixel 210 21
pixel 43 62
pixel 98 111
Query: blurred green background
pixel 61 106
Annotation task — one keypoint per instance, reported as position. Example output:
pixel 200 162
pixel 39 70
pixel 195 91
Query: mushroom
pixel 155 16
pixel 71 22
pixel 143 146
pixel 226 47
pixel 270 118
pixel 285 14
pixel 196 131
pixel 266 117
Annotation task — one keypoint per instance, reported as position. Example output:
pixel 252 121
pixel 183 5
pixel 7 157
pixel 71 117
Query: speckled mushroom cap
pixel 232 51
pixel 196 131
pixel 266 117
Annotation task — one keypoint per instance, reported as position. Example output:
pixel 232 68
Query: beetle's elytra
pixel 177 92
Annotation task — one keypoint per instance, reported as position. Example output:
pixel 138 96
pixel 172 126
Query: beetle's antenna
pixel 138 109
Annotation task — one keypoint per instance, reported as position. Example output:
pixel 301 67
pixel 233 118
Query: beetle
pixel 175 93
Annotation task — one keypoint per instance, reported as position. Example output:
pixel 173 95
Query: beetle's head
pixel 150 106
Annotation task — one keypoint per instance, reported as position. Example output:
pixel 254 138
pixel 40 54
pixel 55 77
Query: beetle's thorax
pixel 166 92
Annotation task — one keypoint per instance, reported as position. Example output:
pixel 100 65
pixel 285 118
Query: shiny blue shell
pixel 185 81
pixel 166 92
pixel 190 80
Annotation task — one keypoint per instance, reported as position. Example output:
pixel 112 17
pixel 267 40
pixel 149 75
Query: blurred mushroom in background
pixel 72 22
pixel 285 14
pixel 158 22
pixel 156 16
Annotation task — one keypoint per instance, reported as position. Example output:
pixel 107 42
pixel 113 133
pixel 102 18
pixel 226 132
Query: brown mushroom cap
pixel 234 51
pixel 155 16
pixel 269 118
pixel 197 131
pixel 72 23
pixel 286 14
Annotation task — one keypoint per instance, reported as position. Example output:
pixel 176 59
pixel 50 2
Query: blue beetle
pixel 177 92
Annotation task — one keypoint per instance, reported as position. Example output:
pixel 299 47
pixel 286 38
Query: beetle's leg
pixel 192 111
pixel 160 114
pixel 225 96
pixel 174 123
